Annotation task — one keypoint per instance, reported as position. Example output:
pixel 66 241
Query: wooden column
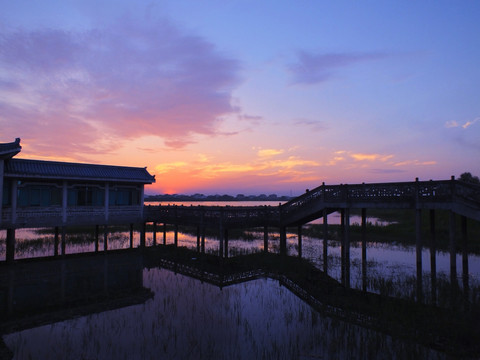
pixel 325 241
pixel 433 256
pixel 418 252
pixel 342 245
pixel 107 201
pixel 226 243
pixel 97 234
pixel 164 234
pixel 143 232
pixel 347 247
pixel 364 249
pixel 265 239
pixel 131 236
pixel 283 240
pixel 10 246
pixel 300 241
pixel 14 201
pixel 465 277
pixel 203 240
pixel 56 242
pixel 198 238
pixel 453 251
pixel 175 239
pixel 64 240
pixel 105 238
pixel 2 163
pixel 154 225
pixel 64 202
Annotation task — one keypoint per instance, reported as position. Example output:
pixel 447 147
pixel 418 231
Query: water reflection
pixel 188 319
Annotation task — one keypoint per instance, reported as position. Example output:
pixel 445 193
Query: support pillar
pixel 56 242
pixel 342 245
pixel 325 241
pixel 2 164
pixel 265 239
pixel 418 252
pixel 154 233
pixel 433 256
pixel 131 236
pixel 10 251
pixel 364 249
pixel 226 243
pixel 97 234
pixel 220 245
pixel 143 232
pixel 64 240
pixel 164 234
pixel 175 240
pixel 283 240
pixel 465 277
pixel 198 238
pixel 347 247
pixel 105 238
pixel 299 241
pixel 453 251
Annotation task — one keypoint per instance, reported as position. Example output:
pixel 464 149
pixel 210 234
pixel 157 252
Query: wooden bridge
pixel 457 197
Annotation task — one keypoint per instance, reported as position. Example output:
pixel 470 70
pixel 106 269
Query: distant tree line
pixel 469 178
pixel 217 197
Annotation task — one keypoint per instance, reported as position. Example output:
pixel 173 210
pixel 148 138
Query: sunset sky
pixel 245 96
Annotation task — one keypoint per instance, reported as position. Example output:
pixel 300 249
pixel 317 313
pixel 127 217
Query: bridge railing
pixel 208 215
pixel 399 192
pixel 468 193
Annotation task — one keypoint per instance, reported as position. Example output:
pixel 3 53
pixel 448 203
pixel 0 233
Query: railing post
pixel 418 241
pixel 322 198
pixel 265 239
pixel 299 241
pixel 364 249
pixel 325 241
pixel 433 256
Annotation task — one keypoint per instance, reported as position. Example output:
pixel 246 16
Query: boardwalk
pixel 459 197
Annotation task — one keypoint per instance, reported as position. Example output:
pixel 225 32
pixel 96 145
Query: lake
pixel 186 318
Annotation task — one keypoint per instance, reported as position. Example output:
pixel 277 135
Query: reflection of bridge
pixel 42 291
pixel 452 331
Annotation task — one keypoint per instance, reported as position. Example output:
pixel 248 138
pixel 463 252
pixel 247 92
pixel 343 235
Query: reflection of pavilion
pixel 39 292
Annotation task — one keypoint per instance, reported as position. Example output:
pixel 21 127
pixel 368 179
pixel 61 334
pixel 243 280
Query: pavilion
pixel 36 193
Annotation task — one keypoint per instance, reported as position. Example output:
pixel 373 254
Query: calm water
pixel 190 319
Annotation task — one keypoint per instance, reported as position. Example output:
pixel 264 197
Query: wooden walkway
pixel 459 197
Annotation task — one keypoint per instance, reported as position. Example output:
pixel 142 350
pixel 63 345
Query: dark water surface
pixel 107 308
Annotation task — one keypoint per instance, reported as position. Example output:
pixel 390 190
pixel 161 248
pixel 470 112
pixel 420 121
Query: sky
pixel 245 97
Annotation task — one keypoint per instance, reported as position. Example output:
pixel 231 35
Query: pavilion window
pixel 124 196
pixel 7 197
pixel 85 196
pixel 39 195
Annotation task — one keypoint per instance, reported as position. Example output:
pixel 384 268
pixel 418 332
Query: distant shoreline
pixel 212 198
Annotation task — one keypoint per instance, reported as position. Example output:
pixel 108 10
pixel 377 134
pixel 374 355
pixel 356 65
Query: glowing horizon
pixel 242 97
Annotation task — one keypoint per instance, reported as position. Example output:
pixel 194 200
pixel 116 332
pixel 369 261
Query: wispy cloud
pixel 269 152
pixel 465 125
pixel 314 68
pixel 315 125
pixel 370 157
pixel 73 91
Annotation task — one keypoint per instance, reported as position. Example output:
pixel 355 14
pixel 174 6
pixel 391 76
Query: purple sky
pixel 243 96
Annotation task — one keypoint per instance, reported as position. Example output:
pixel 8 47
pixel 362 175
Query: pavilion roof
pixel 39 169
pixel 9 150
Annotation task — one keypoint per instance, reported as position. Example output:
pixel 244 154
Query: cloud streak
pixel 101 86
pixel 314 68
